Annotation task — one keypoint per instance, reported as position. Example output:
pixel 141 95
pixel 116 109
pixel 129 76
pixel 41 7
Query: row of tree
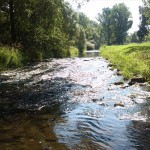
pixel 50 27
pixel 46 27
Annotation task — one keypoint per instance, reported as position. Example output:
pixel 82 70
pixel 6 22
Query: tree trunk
pixel 12 21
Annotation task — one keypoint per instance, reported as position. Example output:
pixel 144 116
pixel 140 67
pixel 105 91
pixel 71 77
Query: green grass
pixel 10 57
pixel 132 60
pixel 74 52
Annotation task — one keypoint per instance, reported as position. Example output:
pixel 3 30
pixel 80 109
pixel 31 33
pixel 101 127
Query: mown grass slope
pixel 132 60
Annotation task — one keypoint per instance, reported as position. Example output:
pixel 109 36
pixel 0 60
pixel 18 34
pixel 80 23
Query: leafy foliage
pixel 81 41
pixel 105 21
pixel 134 37
pixel 147 10
pixel 91 29
pixel 43 28
pixel 143 27
pixel 115 23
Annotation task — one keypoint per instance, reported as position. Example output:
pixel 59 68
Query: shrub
pixel 10 57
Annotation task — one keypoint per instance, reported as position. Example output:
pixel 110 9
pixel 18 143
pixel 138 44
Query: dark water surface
pixel 70 103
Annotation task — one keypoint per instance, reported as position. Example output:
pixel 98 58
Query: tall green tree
pixel 5 36
pixel 83 20
pixel 105 22
pixel 134 37
pixel 147 10
pixel 115 23
pixel 39 26
pixel 81 43
pixel 91 31
pixel 12 20
pixel 143 27
pixel 70 21
pixel 121 22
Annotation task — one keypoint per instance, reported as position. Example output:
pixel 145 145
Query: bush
pixel 10 57
pixel 74 52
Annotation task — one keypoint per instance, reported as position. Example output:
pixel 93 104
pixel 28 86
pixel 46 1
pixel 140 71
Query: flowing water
pixel 75 104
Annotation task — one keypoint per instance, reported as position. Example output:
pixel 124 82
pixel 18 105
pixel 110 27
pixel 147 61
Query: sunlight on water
pixel 74 103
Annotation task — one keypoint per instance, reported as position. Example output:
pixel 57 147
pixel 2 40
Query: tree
pixel 12 20
pixel 147 10
pixel 115 23
pixel 43 28
pixel 93 34
pixel 81 2
pixel 70 21
pixel 90 28
pixel 81 41
pixel 143 27
pixel 105 22
pixel 5 36
pixel 83 20
pixel 39 26
pixel 134 37
pixel 121 22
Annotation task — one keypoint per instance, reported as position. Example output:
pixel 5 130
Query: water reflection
pixel 139 134
pixel 93 53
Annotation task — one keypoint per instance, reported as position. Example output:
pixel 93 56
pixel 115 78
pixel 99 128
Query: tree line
pixel 47 28
pixel 40 27
pixel 115 23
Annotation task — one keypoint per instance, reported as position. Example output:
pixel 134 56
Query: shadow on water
pixel 139 134
pixel 26 112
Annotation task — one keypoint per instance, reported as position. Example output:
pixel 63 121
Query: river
pixel 73 104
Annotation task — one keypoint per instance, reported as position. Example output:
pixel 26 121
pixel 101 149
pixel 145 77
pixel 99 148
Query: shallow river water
pixel 75 104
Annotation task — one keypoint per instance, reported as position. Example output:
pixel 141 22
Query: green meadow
pixel 132 59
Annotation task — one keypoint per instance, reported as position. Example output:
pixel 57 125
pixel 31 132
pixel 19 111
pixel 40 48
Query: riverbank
pixel 10 57
pixel 14 57
pixel 133 60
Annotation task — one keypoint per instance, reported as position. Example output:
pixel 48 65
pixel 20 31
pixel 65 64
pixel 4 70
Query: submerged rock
pixel 95 100
pixel 119 73
pixel 110 65
pixel 119 83
pixel 103 104
pixel 119 104
pixel 136 80
pixel 124 86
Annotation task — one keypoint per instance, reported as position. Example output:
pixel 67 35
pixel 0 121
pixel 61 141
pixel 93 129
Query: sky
pixel 93 7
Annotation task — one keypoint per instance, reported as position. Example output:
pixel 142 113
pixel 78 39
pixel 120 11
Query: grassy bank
pixel 74 52
pixel 10 57
pixel 132 60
